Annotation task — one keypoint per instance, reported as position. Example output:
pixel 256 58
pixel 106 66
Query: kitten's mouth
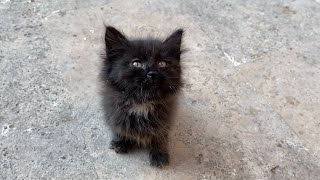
pixel 148 83
pixel 150 86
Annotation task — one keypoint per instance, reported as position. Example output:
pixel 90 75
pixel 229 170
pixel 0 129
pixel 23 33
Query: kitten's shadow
pixel 196 153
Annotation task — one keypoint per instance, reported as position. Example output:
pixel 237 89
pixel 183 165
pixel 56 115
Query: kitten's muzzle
pixel 152 74
pixel 152 77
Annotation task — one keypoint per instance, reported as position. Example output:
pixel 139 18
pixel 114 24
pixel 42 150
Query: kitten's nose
pixel 152 74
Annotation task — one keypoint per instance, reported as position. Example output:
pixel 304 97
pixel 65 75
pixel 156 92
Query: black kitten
pixel 142 78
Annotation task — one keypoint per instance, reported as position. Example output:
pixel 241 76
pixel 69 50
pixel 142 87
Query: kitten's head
pixel 144 69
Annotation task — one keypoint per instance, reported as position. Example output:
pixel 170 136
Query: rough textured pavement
pixel 249 109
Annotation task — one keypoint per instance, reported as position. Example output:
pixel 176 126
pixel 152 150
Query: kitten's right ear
pixel 114 38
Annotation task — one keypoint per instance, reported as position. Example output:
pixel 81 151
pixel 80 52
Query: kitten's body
pixel 142 79
pixel 138 121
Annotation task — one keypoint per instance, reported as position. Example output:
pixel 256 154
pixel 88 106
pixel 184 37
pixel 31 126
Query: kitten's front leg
pixel 121 144
pixel 159 155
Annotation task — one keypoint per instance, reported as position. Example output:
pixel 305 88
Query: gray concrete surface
pixel 249 110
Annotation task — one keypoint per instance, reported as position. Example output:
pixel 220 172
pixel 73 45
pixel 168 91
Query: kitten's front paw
pixel 159 158
pixel 119 146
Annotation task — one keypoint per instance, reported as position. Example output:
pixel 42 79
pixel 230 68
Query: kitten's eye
pixel 162 64
pixel 137 63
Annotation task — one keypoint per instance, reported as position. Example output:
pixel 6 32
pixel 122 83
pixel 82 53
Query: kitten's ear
pixel 173 42
pixel 175 38
pixel 114 38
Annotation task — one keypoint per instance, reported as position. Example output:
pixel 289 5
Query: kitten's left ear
pixel 173 42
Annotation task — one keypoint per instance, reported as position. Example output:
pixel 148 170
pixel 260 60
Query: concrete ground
pixel 249 109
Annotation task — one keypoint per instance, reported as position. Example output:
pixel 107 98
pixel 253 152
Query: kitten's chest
pixel 141 109
pixel 138 120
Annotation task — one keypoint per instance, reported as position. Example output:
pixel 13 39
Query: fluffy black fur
pixel 141 79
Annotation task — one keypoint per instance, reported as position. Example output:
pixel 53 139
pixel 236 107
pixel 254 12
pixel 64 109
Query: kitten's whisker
pixel 165 105
pixel 173 77
pixel 158 121
pixel 173 88
pixel 141 89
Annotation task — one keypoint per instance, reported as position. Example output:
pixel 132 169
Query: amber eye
pixel 162 64
pixel 137 63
